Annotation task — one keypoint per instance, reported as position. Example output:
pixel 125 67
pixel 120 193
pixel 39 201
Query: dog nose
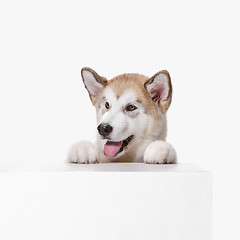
pixel 104 129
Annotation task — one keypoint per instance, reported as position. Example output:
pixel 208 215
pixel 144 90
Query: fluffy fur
pixel 131 119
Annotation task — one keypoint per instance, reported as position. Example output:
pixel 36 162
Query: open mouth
pixel 111 149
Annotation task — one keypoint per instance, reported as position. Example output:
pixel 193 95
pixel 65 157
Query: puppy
pixel 131 119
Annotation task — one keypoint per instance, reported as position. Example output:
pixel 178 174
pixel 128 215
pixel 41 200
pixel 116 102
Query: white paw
pixel 83 152
pixel 160 152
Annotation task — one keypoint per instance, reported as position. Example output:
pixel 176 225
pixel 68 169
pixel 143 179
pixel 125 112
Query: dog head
pixel 129 108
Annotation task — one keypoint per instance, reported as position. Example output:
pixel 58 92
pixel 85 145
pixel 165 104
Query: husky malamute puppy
pixel 131 119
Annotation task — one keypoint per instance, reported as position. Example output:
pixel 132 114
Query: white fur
pixel 159 152
pixel 83 152
pixel 123 126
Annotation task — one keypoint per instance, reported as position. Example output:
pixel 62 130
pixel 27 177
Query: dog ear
pixel 93 83
pixel 159 88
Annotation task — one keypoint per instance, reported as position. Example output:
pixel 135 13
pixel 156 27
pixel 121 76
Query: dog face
pixel 129 108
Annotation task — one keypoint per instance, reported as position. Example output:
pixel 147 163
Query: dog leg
pixel 160 152
pixel 83 152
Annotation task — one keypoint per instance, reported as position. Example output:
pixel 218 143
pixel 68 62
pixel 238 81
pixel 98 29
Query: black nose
pixel 104 129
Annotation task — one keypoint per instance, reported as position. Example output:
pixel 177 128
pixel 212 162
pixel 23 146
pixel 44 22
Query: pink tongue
pixel 112 148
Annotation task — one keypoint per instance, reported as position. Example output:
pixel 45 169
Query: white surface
pixel 103 167
pixel 44 44
pixel 105 201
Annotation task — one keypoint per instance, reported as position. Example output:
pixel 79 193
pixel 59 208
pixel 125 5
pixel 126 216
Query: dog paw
pixel 160 152
pixel 83 152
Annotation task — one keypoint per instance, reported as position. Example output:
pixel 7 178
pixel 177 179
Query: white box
pixel 105 201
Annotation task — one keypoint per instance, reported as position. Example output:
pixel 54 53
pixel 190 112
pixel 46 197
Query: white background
pixel 44 106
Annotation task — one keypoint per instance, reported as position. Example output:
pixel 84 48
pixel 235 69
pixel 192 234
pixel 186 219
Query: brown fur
pixel 137 82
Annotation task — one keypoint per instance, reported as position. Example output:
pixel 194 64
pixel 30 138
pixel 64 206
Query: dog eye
pixel 131 107
pixel 107 105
